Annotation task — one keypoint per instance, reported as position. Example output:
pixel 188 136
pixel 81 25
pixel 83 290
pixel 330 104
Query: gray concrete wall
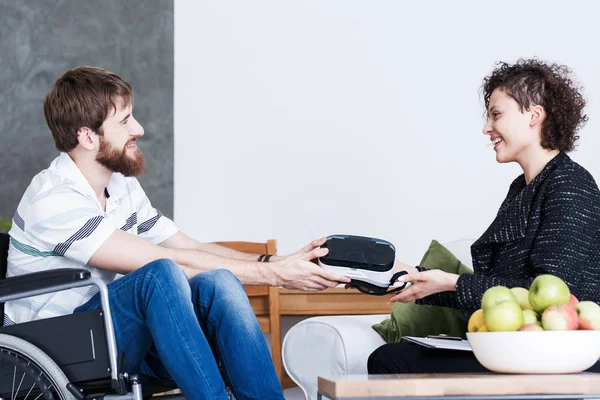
pixel 41 39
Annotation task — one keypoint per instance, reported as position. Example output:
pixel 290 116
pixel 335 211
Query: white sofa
pixel 339 345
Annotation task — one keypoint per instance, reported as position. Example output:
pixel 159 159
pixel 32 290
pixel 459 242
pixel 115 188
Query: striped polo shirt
pixel 59 223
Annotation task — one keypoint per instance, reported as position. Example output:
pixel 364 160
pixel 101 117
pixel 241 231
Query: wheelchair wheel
pixel 28 373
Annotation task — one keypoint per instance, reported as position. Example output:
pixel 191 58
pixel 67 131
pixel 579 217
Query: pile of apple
pixel 547 305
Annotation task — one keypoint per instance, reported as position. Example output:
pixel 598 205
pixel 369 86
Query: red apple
pixel 531 327
pixel 589 315
pixel 573 300
pixel 560 317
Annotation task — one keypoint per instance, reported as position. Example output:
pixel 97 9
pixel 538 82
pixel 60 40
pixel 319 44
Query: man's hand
pixel 298 272
pixel 315 244
pixel 309 247
pixel 424 284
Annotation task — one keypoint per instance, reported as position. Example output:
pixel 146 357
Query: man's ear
pixel 538 115
pixel 87 138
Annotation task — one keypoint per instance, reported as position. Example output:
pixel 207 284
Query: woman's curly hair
pixel 532 82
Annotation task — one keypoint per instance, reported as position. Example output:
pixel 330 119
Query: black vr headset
pixel 368 262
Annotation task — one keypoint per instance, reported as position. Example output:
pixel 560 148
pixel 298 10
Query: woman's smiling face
pixel 509 128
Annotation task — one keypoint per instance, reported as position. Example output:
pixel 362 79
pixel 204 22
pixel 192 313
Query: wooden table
pixel 460 386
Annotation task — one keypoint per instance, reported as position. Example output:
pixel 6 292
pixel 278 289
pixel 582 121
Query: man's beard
pixel 119 161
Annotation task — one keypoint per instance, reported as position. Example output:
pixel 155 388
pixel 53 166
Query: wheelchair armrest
pixel 41 280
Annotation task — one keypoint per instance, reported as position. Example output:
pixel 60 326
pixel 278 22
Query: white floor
pixel 294 394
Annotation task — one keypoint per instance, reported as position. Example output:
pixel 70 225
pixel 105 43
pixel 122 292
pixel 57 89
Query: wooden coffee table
pixel 460 386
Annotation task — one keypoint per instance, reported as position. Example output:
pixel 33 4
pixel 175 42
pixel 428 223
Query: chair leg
pixel 275 327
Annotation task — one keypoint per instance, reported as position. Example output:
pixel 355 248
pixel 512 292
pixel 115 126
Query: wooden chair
pixel 264 300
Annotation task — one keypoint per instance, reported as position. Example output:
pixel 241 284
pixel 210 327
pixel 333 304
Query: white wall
pixel 297 119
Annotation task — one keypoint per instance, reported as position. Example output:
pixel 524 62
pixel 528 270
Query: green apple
pixel 548 290
pixel 589 315
pixel 522 296
pixel 495 295
pixel 505 316
pixel 530 317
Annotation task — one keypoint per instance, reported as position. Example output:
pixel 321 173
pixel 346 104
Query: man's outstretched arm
pixel 123 252
pixel 182 241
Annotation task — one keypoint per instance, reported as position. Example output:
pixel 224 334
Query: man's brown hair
pixel 84 96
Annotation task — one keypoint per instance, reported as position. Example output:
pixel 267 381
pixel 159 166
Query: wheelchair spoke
pixel 30 389
pixel 34 373
pixel 20 383
pixel 42 392
pixel 12 395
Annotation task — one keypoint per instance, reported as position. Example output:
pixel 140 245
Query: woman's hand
pixel 424 284
pixel 400 266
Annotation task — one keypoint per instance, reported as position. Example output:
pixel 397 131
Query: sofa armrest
pixel 330 345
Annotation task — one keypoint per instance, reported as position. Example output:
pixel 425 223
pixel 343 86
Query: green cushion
pixel 410 319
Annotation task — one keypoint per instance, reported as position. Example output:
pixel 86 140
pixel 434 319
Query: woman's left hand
pixel 424 284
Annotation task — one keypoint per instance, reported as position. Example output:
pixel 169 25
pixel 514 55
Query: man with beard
pixel 178 306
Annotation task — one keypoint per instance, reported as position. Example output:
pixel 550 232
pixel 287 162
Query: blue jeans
pixel 173 328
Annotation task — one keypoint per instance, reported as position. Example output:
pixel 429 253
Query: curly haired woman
pixel 549 222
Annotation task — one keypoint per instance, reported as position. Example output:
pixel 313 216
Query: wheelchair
pixel 68 357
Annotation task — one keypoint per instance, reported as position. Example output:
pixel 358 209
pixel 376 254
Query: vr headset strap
pixel 369 288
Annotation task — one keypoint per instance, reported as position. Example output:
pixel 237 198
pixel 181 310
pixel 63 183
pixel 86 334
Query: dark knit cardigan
pixel 550 226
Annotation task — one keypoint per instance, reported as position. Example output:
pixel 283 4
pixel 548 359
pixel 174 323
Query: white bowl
pixel 536 352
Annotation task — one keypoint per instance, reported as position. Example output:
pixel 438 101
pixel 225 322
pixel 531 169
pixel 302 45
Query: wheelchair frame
pixel 126 386
pixel 39 283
